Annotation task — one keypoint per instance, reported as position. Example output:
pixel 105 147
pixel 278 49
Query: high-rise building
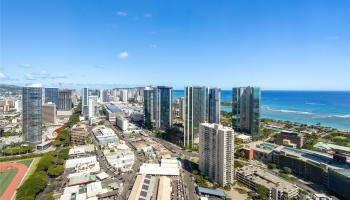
pixel 85 102
pixel 92 106
pixel 216 153
pixel 164 107
pixel 214 105
pixel 148 106
pixel 31 114
pixel 65 100
pixel 246 110
pixel 51 95
pixel 158 106
pixel 49 113
pixel 124 95
pixel 195 113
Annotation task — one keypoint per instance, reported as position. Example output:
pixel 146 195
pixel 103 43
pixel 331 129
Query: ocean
pixel 329 108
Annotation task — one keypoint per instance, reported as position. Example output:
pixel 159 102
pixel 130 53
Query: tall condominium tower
pixel 65 100
pixel 164 107
pixel 31 114
pixel 158 106
pixel 51 95
pixel 148 95
pixel 92 106
pixel 246 110
pixel 216 153
pixel 195 113
pixel 85 102
pixel 214 105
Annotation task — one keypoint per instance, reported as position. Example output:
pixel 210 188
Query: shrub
pixel 47 196
pixel 55 171
pixel 272 166
pixel 64 154
pixel 287 170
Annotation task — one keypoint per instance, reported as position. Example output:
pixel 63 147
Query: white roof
pixel 65 197
pixel 107 132
pixel 102 175
pixel 71 189
pixel 76 150
pixel 94 189
pixel 81 196
pixel 242 136
pixel 71 163
pixel 156 169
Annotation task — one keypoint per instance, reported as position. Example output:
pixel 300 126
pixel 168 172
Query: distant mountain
pixel 6 86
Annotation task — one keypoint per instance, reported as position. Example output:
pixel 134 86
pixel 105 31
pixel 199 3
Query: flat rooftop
pixel 112 108
pixel 212 192
pixel 317 157
pixel 265 178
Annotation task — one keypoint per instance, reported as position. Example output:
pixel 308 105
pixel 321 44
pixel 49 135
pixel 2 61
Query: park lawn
pixel 26 162
pixel 32 168
pixel 6 178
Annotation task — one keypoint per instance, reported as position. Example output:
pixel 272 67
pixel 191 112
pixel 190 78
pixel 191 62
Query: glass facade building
pixel 51 95
pixel 164 107
pixel 31 114
pixel 65 100
pixel 246 110
pixel 214 105
pixel 85 102
pixel 148 95
pixel 158 107
pixel 195 113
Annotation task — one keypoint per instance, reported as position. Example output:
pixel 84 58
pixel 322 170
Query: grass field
pixel 26 162
pixel 32 168
pixel 6 178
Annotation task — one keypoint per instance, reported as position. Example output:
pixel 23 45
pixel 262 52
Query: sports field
pixel 11 174
pixel 6 178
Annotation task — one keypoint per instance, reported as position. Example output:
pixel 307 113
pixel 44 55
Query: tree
pixel 287 170
pixel 272 166
pixel 262 191
pixel 47 196
pixel 55 170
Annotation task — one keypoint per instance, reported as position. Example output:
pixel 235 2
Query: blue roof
pixel 113 108
pixel 213 192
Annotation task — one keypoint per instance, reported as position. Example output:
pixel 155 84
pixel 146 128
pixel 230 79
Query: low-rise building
pixel 122 123
pixel 167 167
pixel 119 156
pixel 79 134
pixel 289 138
pixel 105 135
pixel 242 138
pixel 254 177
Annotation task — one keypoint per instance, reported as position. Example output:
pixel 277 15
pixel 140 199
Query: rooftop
pixel 212 192
pixel 112 108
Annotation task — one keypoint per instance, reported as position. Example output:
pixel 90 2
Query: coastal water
pixel 329 108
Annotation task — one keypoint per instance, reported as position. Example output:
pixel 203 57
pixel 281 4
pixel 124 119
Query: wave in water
pixel 288 111
pixel 314 115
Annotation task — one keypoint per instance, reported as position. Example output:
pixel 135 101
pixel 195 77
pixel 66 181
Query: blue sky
pixel 274 44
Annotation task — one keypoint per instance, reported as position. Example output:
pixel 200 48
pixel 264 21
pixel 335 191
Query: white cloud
pixel 35 85
pixel 2 76
pixel 124 55
pixel 148 15
pixel 29 76
pixel 43 75
pixel 25 66
pixel 121 13
pixel 153 46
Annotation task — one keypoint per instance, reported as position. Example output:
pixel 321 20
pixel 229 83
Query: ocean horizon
pixel 329 108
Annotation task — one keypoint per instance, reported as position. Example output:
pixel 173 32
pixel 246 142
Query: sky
pixel 274 44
